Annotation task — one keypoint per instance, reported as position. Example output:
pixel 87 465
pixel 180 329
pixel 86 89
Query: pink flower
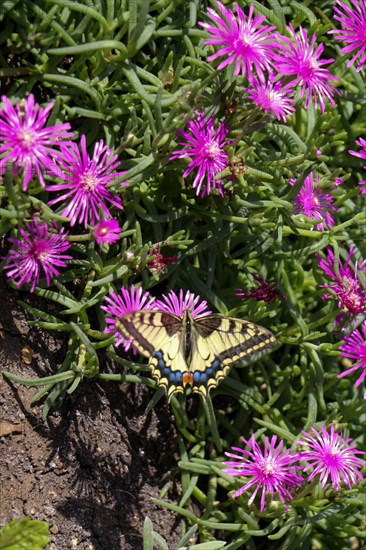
pixel 171 303
pixel 271 97
pixel 107 232
pixel 120 304
pixel 242 40
pixel 354 347
pixel 331 457
pixel 86 180
pixel 362 155
pixel 272 471
pixel 299 58
pixel 346 286
pixel 41 248
pixel 206 147
pixel 353 31
pixel 267 292
pixel 315 204
pixel 25 140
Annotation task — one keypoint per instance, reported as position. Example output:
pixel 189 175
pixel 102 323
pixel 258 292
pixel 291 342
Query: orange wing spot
pixel 187 378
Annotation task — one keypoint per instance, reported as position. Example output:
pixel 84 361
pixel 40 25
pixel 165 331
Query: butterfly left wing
pixel 217 343
pixel 160 337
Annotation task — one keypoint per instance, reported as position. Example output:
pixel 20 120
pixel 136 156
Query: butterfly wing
pixel 160 337
pixel 217 343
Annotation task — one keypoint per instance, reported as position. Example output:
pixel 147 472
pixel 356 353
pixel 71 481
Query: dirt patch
pixel 92 469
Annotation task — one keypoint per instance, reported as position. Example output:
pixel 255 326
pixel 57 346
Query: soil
pixel 92 469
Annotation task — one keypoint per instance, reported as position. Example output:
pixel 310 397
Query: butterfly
pixel 192 352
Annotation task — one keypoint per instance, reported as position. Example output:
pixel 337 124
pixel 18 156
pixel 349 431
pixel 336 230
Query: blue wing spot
pixel 166 372
pixel 215 364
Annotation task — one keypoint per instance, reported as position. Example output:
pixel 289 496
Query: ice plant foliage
pixel 298 57
pixel 241 40
pixel 107 232
pixel 315 204
pixel 271 470
pixel 128 301
pixel 206 147
pixel 362 155
pixel 39 250
pixel 354 348
pixel 267 292
pixel 272 97
pixel 353 32
pixel 26 142
pixel 346 285
pixel 331 456
pixel 85 189
pixel 178 304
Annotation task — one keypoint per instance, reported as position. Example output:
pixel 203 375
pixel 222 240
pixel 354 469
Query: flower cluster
pixel 275 470
pixel 259 53
pixel 34 150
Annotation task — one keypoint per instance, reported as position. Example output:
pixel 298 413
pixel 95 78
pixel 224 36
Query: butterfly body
pixel 193 352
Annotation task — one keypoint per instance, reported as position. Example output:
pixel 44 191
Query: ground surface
pixel 92 469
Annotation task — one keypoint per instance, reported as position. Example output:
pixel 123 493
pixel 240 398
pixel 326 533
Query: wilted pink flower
pixel 177 305
pixel 299 58
pixel 107 232
pixel 86 180
pixel 40 249
pixel 128 301
pixel 346 287
pixel 271 97
pixel 354 347
pixel 331 457
pixel 206 147
pixel 267 292
pixel 362 155
pixel 242 40
pixel 157 262
pixel 272 470
pixel 315 204
pixel 25 140
pixel 353 31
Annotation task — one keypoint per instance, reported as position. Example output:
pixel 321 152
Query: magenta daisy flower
pixel 177 305
pixel 331 457
pixel 120 304
pixel 353 33
pixel 271 97
pixel 40 249
pixel 86 180
pixel 267 292
pixel 206 146
pixel 354 348
pixel 362 155
pixel 299 58
pixel 107 232
pixel 315 204
pixel 242 40
pixel 25 141
pixel 272 470
pixel 346 285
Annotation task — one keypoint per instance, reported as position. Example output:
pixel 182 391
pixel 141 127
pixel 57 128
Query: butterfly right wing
pixel 159 337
